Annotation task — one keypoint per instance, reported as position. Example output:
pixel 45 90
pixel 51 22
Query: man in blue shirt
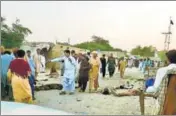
pixel 32 77
pixel 6 59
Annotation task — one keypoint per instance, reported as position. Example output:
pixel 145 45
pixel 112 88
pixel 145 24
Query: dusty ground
pixel 96 103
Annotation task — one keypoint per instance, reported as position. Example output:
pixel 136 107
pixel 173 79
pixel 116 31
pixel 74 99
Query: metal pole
pixel 165 43
pixel 169 30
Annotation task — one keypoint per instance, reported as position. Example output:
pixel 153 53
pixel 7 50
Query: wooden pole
pixel 142 104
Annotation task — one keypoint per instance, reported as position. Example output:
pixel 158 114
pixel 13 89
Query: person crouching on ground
pixel 69 72
pixel 84 73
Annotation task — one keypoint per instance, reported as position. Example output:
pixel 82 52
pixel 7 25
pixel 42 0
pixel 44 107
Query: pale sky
pixel 125 24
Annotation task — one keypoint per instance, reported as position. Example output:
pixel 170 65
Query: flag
pixel 171 22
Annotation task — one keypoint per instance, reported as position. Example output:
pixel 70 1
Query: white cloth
pixel 77 68
pixel 69 72
pixel 37 61
pixel 140 65
pixel 130 62
pixel 159 77
pixel 43 62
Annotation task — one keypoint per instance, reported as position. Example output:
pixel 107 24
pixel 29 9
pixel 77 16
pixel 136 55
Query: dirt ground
pixel 96 103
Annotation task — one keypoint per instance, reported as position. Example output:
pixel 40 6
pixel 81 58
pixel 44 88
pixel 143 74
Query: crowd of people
pixel 19 70
pixel 143 64
pixel 84 67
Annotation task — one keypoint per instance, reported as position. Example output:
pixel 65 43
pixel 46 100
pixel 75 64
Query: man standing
pixel 74 55
pixel 123 64
pixel 144 66
pixel 111 65
pixel 6 59
pixel 69 72
pixel 130 63
pixel 37 61
pixel 79 58
pixel 62 63
pixel 84 73
pixel 103 65
pixel 32 76
pixel 140 64
pixel 43 62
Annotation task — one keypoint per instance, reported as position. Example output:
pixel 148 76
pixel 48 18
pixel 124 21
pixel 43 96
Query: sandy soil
pixel 96 103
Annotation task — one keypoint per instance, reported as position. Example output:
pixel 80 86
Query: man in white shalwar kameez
pixel 37 61
pixel 42 66
pixel 78 62
pixel 68 81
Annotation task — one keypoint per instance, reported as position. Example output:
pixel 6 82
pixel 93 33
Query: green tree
pixel 161 55
pixel 147 51
pixel 98 39
pixel 136 51
pixel 14 36
pixel 97 43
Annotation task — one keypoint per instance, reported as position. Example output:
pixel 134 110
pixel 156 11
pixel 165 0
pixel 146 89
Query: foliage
pixel 162 55
pixel 97 43
pixel 147 51
pixel 100 40
pixel 13 36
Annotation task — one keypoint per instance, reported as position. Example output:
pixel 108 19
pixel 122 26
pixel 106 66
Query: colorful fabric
pixel 94 73
pixel 20 87
pixel 20 67
pixel 123 64
pixel 149 82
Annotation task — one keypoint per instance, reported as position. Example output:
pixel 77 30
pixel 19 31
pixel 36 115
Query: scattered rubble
pixel 47 83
